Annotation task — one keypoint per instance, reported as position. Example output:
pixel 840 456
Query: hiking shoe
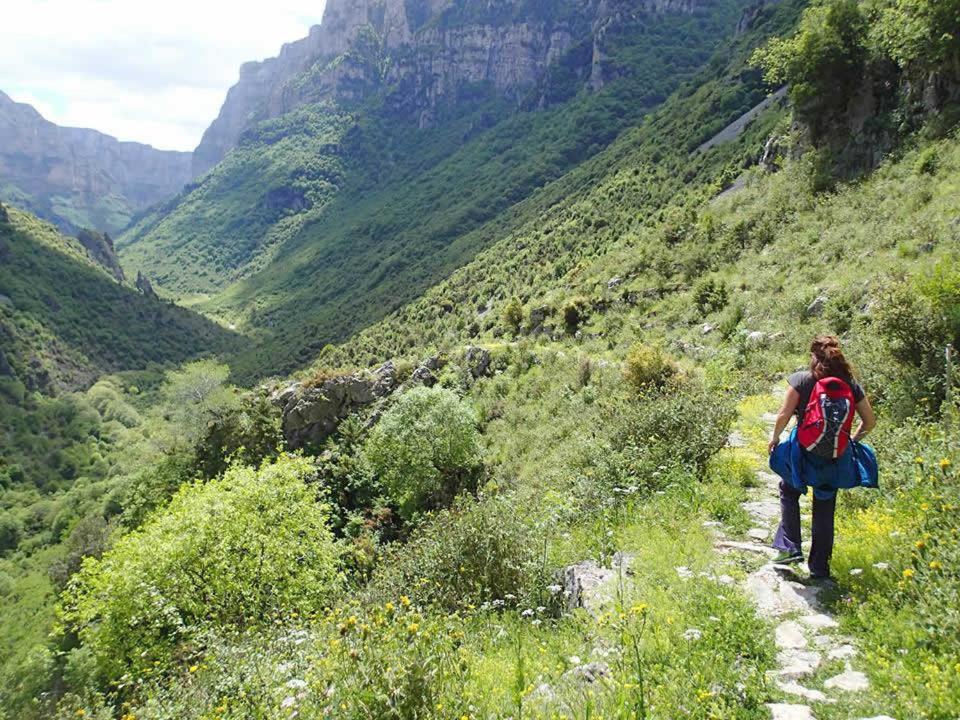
pixel 824 582
pixel 788 558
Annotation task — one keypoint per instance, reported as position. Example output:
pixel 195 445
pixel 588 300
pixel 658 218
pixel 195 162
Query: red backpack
pixel 825 430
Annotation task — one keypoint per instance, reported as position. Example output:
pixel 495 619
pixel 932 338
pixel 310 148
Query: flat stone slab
pixel 795 688
pixel 789 634
pixel 759 534
pixel 783 711
pixel 844 652
pixel 736 440
pixel 797 663
pixel 848 680
pixel 775 596
pixel 819 621
pixel 746 547
pixel 768 478
pixel 763 511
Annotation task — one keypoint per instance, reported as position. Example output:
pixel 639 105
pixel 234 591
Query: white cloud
pixel 154 72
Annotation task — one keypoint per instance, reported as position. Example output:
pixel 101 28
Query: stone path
pixel 805 632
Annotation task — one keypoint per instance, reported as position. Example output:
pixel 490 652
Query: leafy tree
pixel 224 553
pixel 424 449
pixel 919 34
pixel 823 62
pixel 513 315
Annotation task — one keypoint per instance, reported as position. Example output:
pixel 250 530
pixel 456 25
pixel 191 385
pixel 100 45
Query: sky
pixel 153 72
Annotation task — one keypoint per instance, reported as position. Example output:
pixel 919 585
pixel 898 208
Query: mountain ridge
pixel 78 177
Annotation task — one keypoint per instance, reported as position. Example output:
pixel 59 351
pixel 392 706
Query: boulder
pixel 477 360
pixel 311 415
pixel 538 317
pixel 588 673
pixel 588 585
pixel 756 338
pixel 144 285
pixel 423 376
pixel 815 309
pixel 614 283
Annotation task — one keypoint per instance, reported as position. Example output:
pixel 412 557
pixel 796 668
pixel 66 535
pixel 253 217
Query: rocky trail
pixel 816 664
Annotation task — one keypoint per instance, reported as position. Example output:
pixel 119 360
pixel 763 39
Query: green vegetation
pixel 424 449
pixel 385 225
pixel 224 553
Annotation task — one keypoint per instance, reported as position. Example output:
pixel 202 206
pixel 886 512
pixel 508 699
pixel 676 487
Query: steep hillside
pixel 79 178
pixel 65 320
pixel 371 221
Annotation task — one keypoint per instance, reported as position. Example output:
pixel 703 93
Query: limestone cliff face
pixel 76 177
pixel 422 52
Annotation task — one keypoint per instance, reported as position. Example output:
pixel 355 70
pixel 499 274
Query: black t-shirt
pixel 804 381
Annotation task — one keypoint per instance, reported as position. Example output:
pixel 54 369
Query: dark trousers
pixel 788 534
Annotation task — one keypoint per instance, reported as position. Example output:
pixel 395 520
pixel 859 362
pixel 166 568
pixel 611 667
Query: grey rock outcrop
pixel 477 360
pixel 144 285
pixel 100 247
pixel 311 415
pixel 42 161
pixel 424 51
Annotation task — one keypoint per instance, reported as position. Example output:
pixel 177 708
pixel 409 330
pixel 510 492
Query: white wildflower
pixel 881 565
pixel 574 660
pixel 296 684
pixel 856 571
pixel 288 701
pixel 692 634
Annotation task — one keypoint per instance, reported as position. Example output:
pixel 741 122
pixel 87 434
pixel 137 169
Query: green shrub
pixel 574 314
pixel 425 449
pixel 476 551
pixel 710 295
pixel 927 162
pixel 513 315
pixel 916 320
pixel 225 553
pixel 647 366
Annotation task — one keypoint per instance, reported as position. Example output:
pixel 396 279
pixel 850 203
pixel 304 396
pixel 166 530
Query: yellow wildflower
pixel 194 668
pixel 920 544
pixel 945 463
pixel 908 573
pixel 405 601
pixel 412 628
pixel 389 607
pixel 918 460
pixel 936 565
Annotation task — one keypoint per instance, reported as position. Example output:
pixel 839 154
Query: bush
pixel 425 449
pixel 574 314
pixel 916 320
pixel 477 551
pixel 927 162
pixel 710 295
pixel 823 62
pixel 647 366
pixel 513 315
pixel 225 553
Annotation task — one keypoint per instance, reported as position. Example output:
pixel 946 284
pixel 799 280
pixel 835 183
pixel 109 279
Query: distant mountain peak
pixel 77 177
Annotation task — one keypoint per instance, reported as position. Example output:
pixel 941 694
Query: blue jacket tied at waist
pixel 857 467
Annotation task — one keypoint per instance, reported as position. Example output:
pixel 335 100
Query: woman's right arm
pixel 867 419
pixel 790 402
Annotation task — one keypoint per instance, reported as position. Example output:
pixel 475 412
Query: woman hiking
pixel 821 452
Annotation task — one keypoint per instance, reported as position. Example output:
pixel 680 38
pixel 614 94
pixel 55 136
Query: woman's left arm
pixel 790 403
pixel 867 419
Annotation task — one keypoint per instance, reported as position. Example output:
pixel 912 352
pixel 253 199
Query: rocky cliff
pixel 81 178
pixel 422 52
